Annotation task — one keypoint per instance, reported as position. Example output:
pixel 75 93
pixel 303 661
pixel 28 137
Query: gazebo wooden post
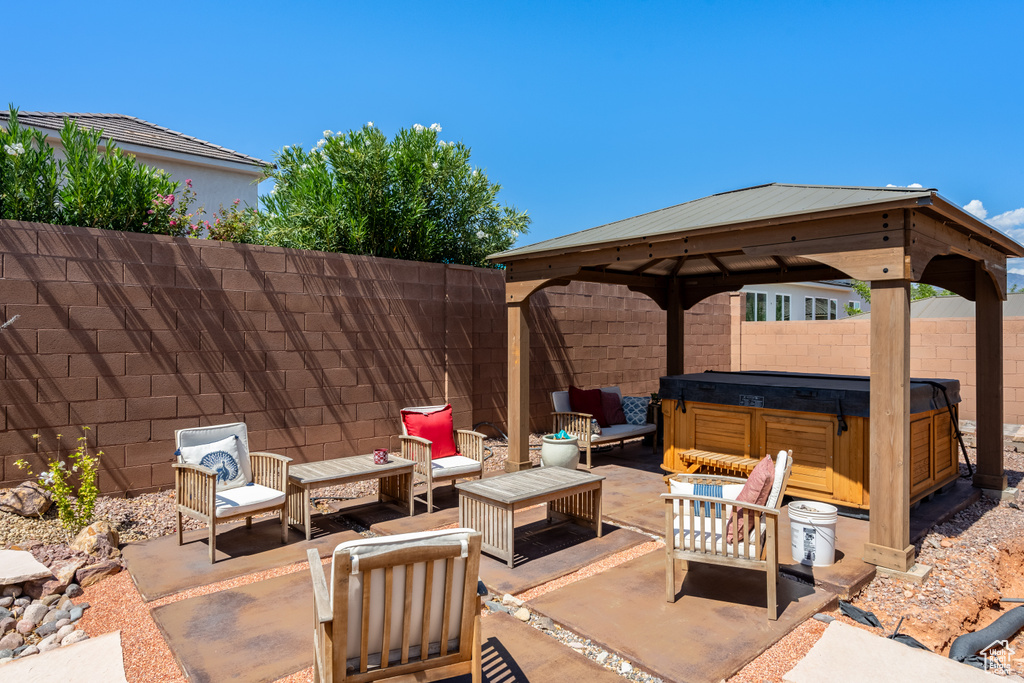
pixel 988 331
pixel 518 386
pixel 674 338
pixel 889 533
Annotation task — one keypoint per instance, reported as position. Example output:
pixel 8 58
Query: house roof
pixel 957 307
pixel 131 130
pixel 773 202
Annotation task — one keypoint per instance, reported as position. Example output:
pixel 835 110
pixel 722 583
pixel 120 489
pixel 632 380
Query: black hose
pixel 956 424
pixel 493 426
pixel 966 647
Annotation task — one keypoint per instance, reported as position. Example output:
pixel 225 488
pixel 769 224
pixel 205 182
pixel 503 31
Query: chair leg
pixel 180 538
pixel 670 577
pixel 213 540
pixel 284 525
pixel 430 497
pixel 248 522
pixel 477 671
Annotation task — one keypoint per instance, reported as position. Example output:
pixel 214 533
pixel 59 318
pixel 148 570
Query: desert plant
pixel 413 197
pixel 29 175
pixel 75 505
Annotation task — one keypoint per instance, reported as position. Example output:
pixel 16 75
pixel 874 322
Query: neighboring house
pixel 802 301
pixel 959 307
pixel 219 175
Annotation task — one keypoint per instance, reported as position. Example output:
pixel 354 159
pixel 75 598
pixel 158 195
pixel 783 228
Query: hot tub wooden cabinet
pixel 822 418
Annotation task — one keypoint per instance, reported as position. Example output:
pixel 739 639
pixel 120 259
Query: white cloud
pixel 1009 220
pixel 915 186
pixel 976 208
pixel 1016 271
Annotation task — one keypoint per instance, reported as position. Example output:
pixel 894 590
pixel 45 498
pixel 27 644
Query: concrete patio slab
pixel 19 566
pixel 847 654
pixel 516 653
pixel 96 660
pixel 159 566
pixel 255 633
pixel 545 552
pixel 716 626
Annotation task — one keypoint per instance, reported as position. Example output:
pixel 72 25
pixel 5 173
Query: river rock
pixel 7 601
pixel 64 631
pixel 7 624
pixel 61 623
pixel 18 566
pixel 73 590
pixel 22 601
pixel 94 573
pixel 63 574
pixel 24 627
pixel 511 601
pixel 50 599
pixel 4 613
pixel 11 641
pixel 74 637
pixel 522 614
pixel 28 651
pixel 56 615
pixel 99 539
pixel 46 629
pixel 51 642
pixel 12 591
pixel 27 499
pixel 76 613
pixel 6 654
pixel 35 612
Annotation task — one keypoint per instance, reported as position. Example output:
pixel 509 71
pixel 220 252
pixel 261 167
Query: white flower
pixel 436 127
pixel 273 190
pixel 321 142
pixel 14 150
pixel 287 147
pixel 435 164
pixel 441 143
pixel 481 234
pixel 327 133
pixel 304 167
pixel 369 124
pixel 417 127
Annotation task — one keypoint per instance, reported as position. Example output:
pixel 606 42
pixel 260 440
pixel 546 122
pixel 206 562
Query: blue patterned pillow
pixel 635 409
pixel 220 456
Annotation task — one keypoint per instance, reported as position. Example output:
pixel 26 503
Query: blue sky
pixel 584 112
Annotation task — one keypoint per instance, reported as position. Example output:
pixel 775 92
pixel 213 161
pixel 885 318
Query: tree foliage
pixel 413 197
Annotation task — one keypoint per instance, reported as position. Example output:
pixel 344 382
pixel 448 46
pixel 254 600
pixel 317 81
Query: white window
pixel 783 304
pixel 757 306
pixel 854 305
pixel 820 308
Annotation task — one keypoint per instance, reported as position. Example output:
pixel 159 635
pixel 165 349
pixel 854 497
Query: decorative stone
pixel 546 623
pixel 50 599
pixel 17 567
pixel 64 631
pixel 22 601
pixel 50 642
pixel 47 629
pixel 602 658
pixel 824 618
pixel 56 615
pixel 74 637
pixel 12 641
pixel 577 646
pixel 522 614
pixel 12 591
pixel 511 601
pixel 73 590
pixel 7 624
pixel 7 601
pixel 28 651
pixel 6 654
pixel 4 612
pixel 61 623
pixel 625 668
pixel 63 574
pixel 75 614
pixel 946 543
pixel 496 606
pixel 27 499
pixel 35 612
pixel 93 573
pixel 25 626
pixel 99 539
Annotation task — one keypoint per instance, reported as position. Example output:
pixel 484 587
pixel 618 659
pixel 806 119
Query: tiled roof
pixel 131 130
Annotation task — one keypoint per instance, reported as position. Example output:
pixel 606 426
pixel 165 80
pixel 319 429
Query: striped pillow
pixel 728 492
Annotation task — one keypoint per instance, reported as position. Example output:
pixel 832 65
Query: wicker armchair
pixel 199 491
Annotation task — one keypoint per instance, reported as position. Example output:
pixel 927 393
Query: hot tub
pixel 824 419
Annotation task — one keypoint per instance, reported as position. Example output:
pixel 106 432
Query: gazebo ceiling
pixel 775 233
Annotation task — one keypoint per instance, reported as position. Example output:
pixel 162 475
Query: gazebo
pixel 777 233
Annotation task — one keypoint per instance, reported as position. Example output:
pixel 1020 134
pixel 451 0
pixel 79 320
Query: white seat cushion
pixel 619 432
pixel 454 464
pixel 251 498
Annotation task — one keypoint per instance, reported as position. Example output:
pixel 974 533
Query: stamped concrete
pixel 255 633
pixel 717 624
pixel 516 653
pixel 847 654
pixel 96 660
pixel 159 566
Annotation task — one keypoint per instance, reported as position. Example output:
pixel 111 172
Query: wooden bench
pixel 709 462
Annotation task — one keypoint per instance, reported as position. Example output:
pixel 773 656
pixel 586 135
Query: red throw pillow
pixel 587 401
pixel 756 490
pixel 436 427
pixel 612 405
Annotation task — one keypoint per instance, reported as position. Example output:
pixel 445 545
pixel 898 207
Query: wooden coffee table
pixel 395 482
pixel 489 505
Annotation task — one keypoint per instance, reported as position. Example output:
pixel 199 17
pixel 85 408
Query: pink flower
pixel 188 182
pixel 236 202
pixel 173 223
pixel 151 211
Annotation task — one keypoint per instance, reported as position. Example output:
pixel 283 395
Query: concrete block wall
pixel 939 347
pixel 139 335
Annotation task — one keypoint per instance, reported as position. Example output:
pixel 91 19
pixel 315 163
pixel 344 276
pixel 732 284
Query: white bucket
pixel 813 531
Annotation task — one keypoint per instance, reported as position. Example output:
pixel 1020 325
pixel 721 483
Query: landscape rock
pixel 22 601
pixel 625 668
pixel 11 641
pixel 18 566
pixel 75 614
pixel 824 618
pixel 6 654
pixel 56 615
pixel 7 601
pixel 28 651
pixel 99 539
pixel 522 614
pixel 46 629
pixel 25 626
pixel 65 631
pixel 61 623
pixel 73 590
pixel 603 657
pixel 546 623
pixel 496 606
pixel 94 573
pixel 50 642
pixel 35 613
pixel 4 613
pixel 27 499
pixel 511 601
pixel 63 574
pixel 50 599
pixel 74 637
pixel 946 543
pixel 7 624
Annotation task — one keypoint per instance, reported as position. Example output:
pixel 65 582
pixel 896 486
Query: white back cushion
pixel 195 442
pixel 781 461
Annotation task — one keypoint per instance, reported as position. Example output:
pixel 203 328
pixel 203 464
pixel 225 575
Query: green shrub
pixel 74 506
pixel 29 175
pixel 413 197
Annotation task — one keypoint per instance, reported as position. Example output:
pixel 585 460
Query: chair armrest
pixel 470 444
pixel 703 479
pixel 270 470
pixel 418 450
pixel 195 487
pixel 321 596
pixel 576 424
pixel 669 497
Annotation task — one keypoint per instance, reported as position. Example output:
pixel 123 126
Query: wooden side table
pixel 396 479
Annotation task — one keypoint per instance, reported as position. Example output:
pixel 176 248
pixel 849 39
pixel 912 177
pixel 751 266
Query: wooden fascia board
pixel 763 277
pixel 775 221
pixel 628 279
pixel 983 230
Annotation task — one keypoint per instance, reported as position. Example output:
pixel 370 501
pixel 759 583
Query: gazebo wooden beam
pixel 647 266
pixel 718 264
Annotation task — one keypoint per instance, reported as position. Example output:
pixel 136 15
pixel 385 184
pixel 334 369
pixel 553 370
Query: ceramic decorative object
pixel 380 456
pixel 555 452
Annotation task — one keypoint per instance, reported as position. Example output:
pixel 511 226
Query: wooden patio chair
pixel 695 528
pixel 217 479
pixel 467 463
pixel 395 605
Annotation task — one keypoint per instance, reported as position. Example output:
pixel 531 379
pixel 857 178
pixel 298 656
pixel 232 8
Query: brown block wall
pixel 939 347
pixel 139 335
